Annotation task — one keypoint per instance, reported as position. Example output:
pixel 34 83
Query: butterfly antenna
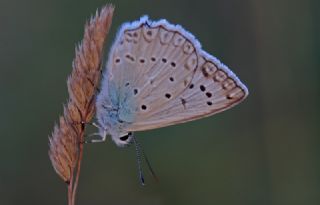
pixel 140 150
pixel 149 166
pixel 138 154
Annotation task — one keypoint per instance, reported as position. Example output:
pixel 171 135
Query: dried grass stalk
pixel 65 144
pixel 63 151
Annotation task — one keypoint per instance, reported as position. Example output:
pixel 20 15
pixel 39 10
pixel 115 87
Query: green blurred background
pixel 264 151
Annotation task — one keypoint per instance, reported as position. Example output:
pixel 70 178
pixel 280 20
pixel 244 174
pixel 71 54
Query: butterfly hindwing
pixel 162 77
pixel 211 90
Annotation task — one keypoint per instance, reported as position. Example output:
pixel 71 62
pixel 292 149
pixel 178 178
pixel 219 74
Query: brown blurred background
pixel 264 151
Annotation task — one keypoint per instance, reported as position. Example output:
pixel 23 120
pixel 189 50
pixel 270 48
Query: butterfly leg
pixel 90 123
pixel 102 138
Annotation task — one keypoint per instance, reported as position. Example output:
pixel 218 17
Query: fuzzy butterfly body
pixel 157 75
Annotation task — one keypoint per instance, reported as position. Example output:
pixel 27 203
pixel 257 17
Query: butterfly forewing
pixel 161 69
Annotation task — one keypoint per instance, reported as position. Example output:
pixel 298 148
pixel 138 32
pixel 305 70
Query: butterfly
pixel 158 75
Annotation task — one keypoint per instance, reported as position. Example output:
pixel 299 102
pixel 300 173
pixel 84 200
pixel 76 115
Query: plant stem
pixel 70 186
pixel 77 174
pixel 69 194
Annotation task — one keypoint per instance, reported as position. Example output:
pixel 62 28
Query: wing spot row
pixel 202 88
pixel 142 60
pixel 228 84
pixel 149 33
pixel 208 94
pixel 130 57
pixel 219 76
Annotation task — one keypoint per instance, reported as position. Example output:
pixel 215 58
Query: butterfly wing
pixel 163 77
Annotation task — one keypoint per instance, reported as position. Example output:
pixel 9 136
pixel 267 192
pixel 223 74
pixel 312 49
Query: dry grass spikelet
pixel 65 147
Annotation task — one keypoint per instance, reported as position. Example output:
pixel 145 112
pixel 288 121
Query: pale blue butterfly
pixel 157 75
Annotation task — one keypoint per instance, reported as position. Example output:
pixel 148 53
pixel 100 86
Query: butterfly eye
pixel 126 137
